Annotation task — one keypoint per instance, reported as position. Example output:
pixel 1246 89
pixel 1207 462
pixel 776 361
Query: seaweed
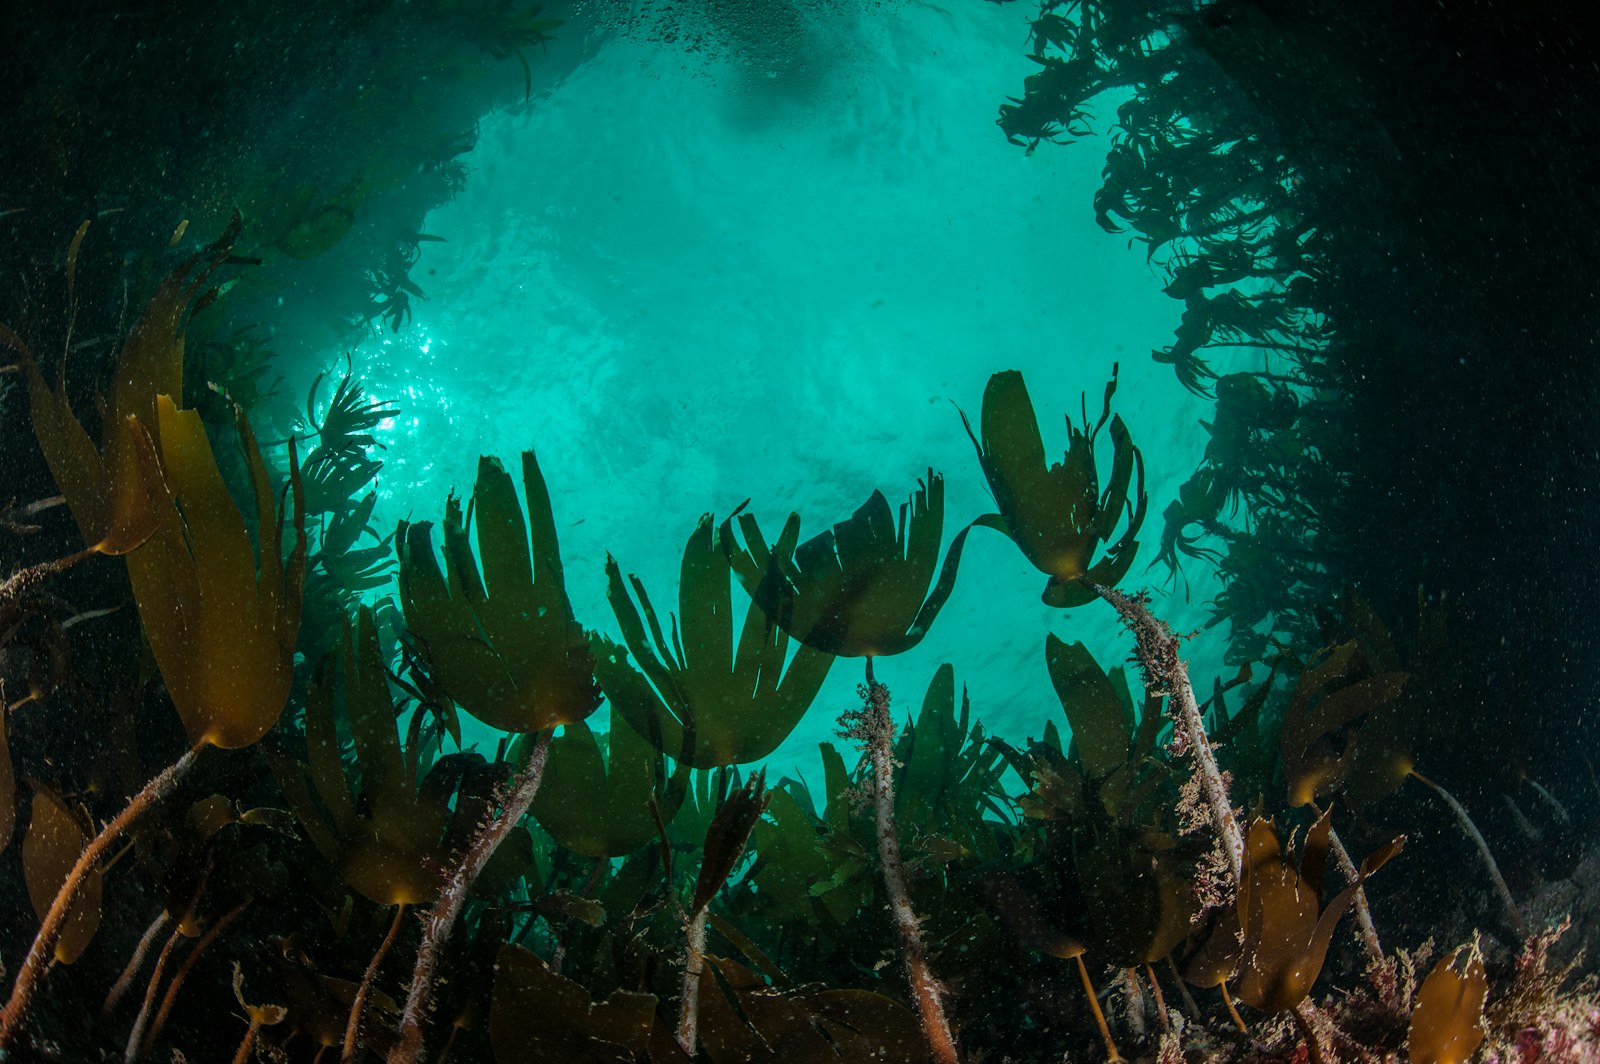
pixel 518 661
pixel 1057 514
pixel 515 659
pixel 661 902
pixel 865 587
pixel 220 621
pixel 1447 1024
pixel 702 699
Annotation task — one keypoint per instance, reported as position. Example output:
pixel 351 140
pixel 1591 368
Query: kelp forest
pixel 284 781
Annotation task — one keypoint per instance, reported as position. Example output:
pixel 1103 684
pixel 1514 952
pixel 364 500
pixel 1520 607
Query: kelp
pixel 220 621
pixel 1241 239
pixel 1447 1021
pixel 862 589
pixel 805 1026
pixel 594 806
pixel 1115 880
pixel 1104 804
pixel 1344 695
pixel 519 661
pixel 1091 865
pixel 259 1016
pixel 1350 730
pixel 537 1016
pixel 502 639
pixel 1040 929
pixel 385 835
pixel 8 780
pixel 111 488
pixel 54 839
pixel 950 791
pixel 736 814
pixel 1283 916
pixel 865 587
pixel 873 728
pixel 1057 514
pixel 701 698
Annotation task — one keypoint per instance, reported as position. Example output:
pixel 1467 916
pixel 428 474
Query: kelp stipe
pixel 873 727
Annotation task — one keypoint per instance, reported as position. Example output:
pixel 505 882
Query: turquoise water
pixel 692 277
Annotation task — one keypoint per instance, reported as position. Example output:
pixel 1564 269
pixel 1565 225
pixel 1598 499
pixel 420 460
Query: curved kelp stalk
pixel 873 727
pixel 699 697
pixel 440 921
pixel 1057 515
pixel 220 622
pixel 1156 651
pixel 504 645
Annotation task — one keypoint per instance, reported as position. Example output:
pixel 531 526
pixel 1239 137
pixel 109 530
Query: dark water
pixel 750 260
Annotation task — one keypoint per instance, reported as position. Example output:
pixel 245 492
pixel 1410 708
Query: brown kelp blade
pixel 108 494
pixel 700 697
pixel 762 1025
pixel 221 625
pixel 1057 514
pixel 599 806
pixel 500 635
pixel 1286 928
pixel 1330 698
pixel 1447 1025
pixel 1101 730
pixel 109 487
pixel 386 837
pixel 869 586
pixel 51 847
